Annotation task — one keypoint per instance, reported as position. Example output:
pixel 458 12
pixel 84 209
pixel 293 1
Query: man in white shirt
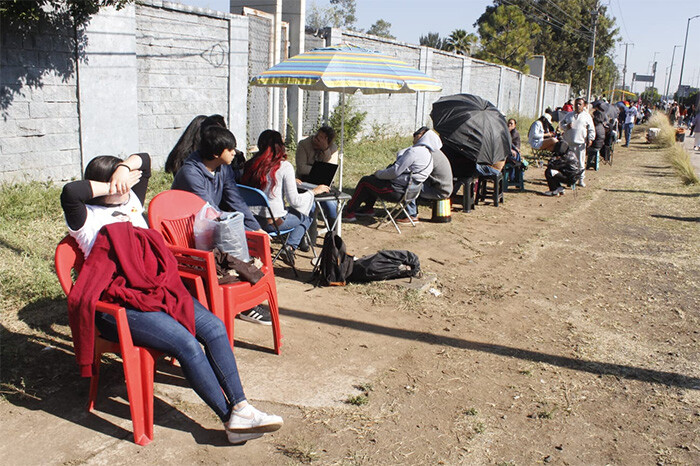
pixel 579 132
pixel 630 120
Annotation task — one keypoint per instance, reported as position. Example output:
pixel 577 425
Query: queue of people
pixel 104 213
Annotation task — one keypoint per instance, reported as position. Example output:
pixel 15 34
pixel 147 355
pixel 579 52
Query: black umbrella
pixel 611 112
pixel 472 127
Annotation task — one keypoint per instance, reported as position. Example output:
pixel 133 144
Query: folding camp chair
pixel 412 192
pixel 254 197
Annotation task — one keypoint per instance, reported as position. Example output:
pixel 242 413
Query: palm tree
pixel 432 39
pixel 460 42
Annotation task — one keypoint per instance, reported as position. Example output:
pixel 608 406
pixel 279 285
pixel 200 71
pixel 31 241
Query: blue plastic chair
pixel 254 197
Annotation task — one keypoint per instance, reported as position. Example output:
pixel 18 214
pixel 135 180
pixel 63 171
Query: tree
pixel 565 39
pixel 339 14
pixel 26 15
pixel 506 36
pixel 650 96
pixel 381 28
pixel 344 13
pixel 318 17
pixel 432 39
pixel 460 42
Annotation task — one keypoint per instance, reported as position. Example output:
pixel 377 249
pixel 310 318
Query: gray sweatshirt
pixel 415 159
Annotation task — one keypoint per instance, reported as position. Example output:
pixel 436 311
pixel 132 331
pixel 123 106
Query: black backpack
pixel 335 264
pixel 385 265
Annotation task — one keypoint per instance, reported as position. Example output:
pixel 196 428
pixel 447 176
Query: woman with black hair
pixel 541 134
pixel 189 140
pixel 98 209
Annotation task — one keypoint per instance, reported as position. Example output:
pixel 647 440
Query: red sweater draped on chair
pixel 132 267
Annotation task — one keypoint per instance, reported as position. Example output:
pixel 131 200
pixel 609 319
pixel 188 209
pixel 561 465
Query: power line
pixel 577 21
pixel 531 15
pixel 537 8
pixel 623 21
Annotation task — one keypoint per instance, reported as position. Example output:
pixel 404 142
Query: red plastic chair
pixel 138 361
pixel 172 213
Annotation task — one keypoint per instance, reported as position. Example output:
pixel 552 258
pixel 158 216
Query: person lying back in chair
pixel 104 213
pixel 391 183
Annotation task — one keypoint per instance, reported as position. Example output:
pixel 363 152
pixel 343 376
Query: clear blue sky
pixel 652 25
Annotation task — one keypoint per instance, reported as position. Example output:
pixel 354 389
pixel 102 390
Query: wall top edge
pixel 174 6
pixel 437 51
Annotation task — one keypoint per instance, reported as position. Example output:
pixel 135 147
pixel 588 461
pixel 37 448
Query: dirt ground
pixel 566 332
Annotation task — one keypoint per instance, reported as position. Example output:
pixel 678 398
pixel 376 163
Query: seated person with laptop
pixel 317 148
pixel 316 164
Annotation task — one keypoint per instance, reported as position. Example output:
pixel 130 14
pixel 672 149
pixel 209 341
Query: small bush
pixel 667 135
pixel 353 120
pixel 679 159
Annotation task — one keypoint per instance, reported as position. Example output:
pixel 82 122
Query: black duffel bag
pixel 385 265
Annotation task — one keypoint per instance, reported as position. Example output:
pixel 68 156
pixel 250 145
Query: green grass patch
pixel 31 224
pixel 357 400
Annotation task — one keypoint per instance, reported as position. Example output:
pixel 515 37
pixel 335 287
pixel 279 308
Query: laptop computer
pixel 321 173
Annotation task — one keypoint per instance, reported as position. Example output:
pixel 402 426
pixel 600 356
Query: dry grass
pixel 667 135
pixel 679 158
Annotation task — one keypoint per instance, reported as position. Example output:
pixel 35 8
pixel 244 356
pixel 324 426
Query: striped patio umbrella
pixel 347 69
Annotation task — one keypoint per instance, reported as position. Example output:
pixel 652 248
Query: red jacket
pixel 132 267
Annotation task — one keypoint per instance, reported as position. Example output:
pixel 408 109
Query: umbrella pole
pixel 342 138
pixel 341 155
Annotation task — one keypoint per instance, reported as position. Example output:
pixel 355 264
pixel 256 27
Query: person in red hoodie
pixel 117 256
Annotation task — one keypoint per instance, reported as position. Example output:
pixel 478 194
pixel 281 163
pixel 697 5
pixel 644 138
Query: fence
pixel 133 80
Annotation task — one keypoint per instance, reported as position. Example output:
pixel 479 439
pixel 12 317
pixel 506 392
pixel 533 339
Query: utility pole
pixel 591 59
pixel 670 73
pixel 685 45
pixel 624 68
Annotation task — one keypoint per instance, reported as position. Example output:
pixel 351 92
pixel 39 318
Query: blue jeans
pixel 628 132
pixel 208 373
pixel 295 221
pixel 486 170
pixel 330 209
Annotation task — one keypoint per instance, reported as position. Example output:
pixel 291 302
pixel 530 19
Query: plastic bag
pixel 223 230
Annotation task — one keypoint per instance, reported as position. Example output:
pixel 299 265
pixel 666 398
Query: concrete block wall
pixel 148 69
pixel 312 100
pixel 259 60
pixel 529 97
pixel 39 118
pixel 394 113
pixel 183 71
pixel 484 81
pixel 510 96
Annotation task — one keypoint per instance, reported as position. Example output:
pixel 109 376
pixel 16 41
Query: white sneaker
pixel 581 183
pixel 250 420
pixel 549 193
pixel 239 439
pixel 560 191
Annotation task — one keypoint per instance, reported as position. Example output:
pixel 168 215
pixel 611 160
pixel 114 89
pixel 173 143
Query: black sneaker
pixel 304 246
pixel 287 255
pixel 257 315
